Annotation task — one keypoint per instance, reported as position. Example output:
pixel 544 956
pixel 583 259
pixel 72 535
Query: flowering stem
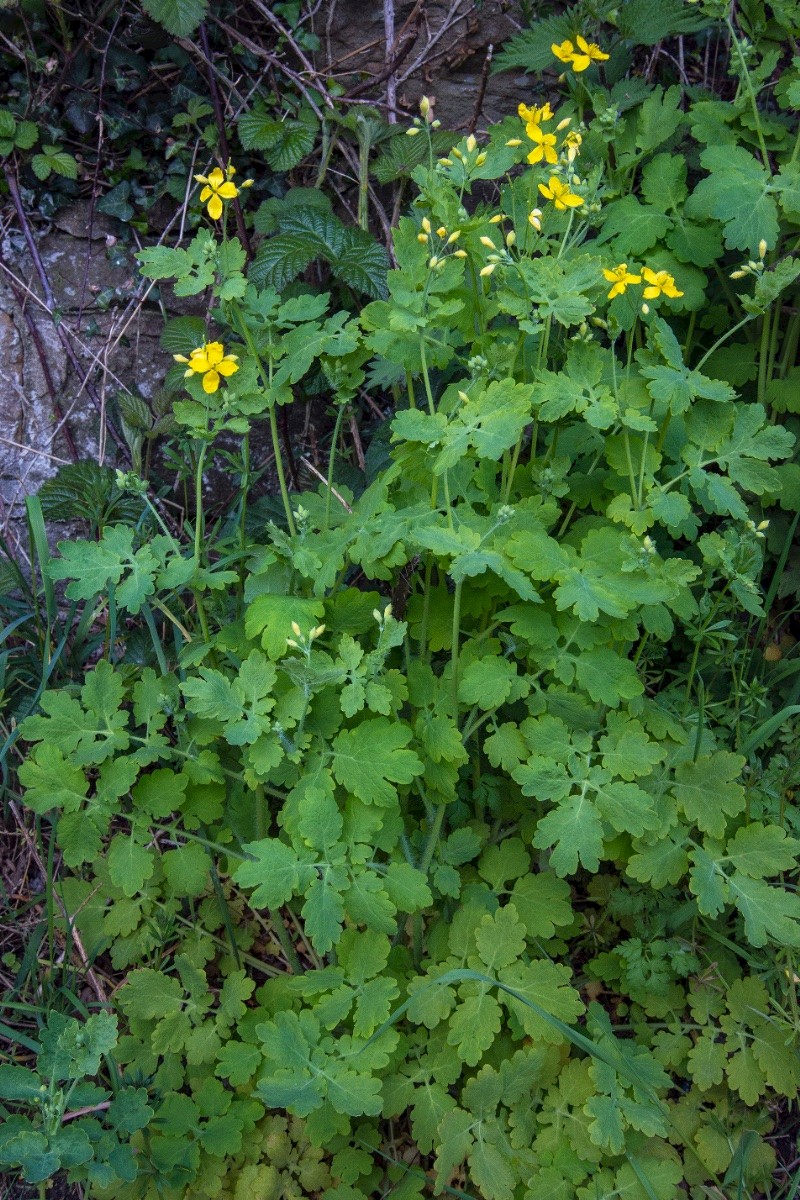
pixel 331 460
pixel 199 523
pixel 454 649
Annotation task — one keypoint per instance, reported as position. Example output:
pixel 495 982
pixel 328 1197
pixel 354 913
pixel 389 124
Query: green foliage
pixel 448 809
pixel 179 17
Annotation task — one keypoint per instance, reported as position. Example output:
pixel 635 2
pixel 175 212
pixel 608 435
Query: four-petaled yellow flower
pixel 560 194
pixel 211 362
pixel 219 187
pixel 544 147
pixel 620 277
pixel 581 56
pixel 572 145
pixel 661 283
pixel 534 115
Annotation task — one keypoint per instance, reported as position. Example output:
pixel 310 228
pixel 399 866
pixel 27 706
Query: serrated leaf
pixel 707 790
pixel 179 17
pixel 371 758
pixel 130 865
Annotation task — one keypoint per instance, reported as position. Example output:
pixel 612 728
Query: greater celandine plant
pixel 430 826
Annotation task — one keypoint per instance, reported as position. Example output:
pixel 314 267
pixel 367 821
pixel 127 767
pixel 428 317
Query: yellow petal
pixel 210 382
pixel 226 367
pixel 572 201
pixel 204 195
pixel 215 352
pixel 215 208
pixel 216 177
pixel 228 191
pixel 651 293
pixel 580 62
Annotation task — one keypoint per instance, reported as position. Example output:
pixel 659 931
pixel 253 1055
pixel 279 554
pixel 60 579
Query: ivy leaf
pixel 369 759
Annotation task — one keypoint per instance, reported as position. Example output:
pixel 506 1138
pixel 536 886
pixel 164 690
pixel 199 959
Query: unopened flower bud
pixel 426 225
pixel 511 238
pixel 445 162
pixel 463 397
pixel 487 241
pixel 563 124
pixel 514 142
pixel 436 124
pixel 754 266
pixel 316 633
pixel 291 642
pixel 762 525
pixel 387 612
pixel 459 254
pixel 454 236
pixel 456 153
pixel 472 144
pixel 376 616
pixel 496 219
pixel 487 270
pixel 738 274
pixel 296 629
pixel 441 232
pixel 433 262
pixel 645 309
pixel 480 160
pixel 424 106
pixel 422 237
pixel 762 247
pixel 412 132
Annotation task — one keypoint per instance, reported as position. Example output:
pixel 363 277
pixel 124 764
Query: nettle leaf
pixel 371 758
pixel 179 17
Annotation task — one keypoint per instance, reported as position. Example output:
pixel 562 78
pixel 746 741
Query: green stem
pixel 266 379
pixel 245 490
pixel 455 646
pixel 720 340
pixel 331 460
pixel 433 839
pixel 748 83
pixel 199 522
pixel 279 929
pixel 763 354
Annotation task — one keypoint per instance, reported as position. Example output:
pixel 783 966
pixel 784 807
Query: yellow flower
pixel 661 283
pixel 560 194
pixel 579 57
pixel 620 277
pixel 544 147
pixel 572 144
pixel 210 361
pixel 534 115
pixel 218 187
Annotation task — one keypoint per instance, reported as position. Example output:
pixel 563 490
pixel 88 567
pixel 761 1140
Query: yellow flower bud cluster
pixel 425 118
pixel 754 266
pixel 304 642
pixel 439 253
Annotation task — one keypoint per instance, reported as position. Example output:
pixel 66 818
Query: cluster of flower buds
pixel 758 530
pixel 425 118
pixel 499 253
pixel 301 642
pixel 442 247
pixel 753 267
pixel 382 617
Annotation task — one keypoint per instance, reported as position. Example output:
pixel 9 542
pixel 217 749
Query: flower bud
pixel 487 241
pixel 412 132
pixel 514 142
pixel 316 633
pixel 424 106
pixel 472 144
pixel 456 153
pixel 563 124
pixel 762 525
pixel 376 616
pixel 459 254
pixel 433 262
pixel 296 629
pixel 436 124
pixel 441 232
pixel 387 612
pixel 422 237
pixel 738 274
pixel 496 219
pixel 487 270
pixel 511 238
pixel 480 160
pixel 463 397
pixel 762 247
pixel 445 162
pixel 454 236
pixel 645 309
pixel 426 225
